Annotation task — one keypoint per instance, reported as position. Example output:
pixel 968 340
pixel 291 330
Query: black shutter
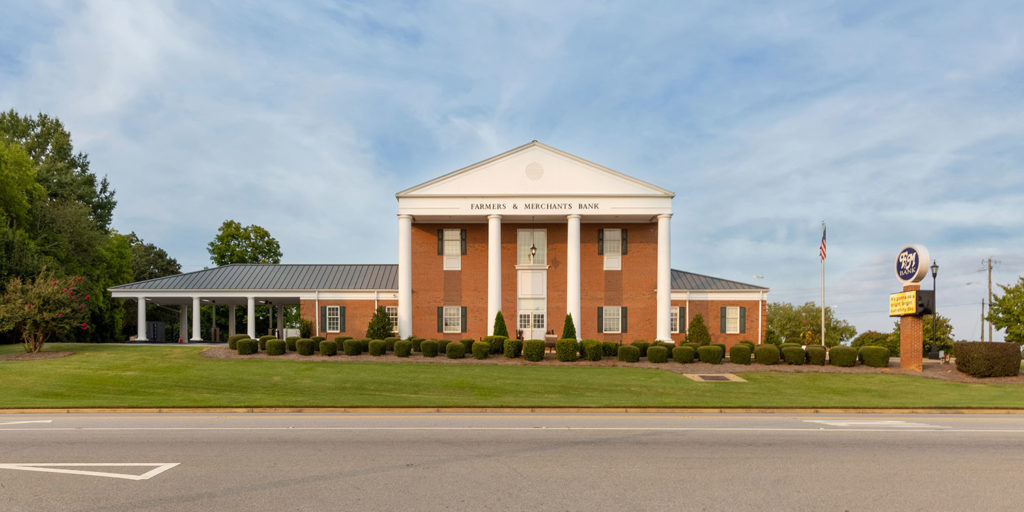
pixel 623 320
pixel 624 242
pixel 743 320
pixel 440 319
pixel 462 239
pixel 323 318
pixel 600 319
pixel 440 242
pixel 341 316
pixel 682 319
pixel 723 318
pixel 600 243
pixel 463 318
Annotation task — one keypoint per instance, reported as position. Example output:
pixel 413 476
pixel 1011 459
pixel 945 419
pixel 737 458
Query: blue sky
pixel 895 122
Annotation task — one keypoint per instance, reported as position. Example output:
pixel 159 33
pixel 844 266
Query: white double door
pixel 532 303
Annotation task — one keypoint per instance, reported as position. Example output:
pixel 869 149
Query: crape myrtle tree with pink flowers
pixel 48 307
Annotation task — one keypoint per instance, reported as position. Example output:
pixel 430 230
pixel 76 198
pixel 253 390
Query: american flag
pixel 821 250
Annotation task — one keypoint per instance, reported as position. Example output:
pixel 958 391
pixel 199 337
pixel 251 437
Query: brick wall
pixel 711 311
pixel 357 315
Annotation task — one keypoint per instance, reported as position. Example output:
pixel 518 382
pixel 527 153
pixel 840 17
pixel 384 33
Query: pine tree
pixel 499 325
pixel 568 329
pixel 698 332
pixel 380 325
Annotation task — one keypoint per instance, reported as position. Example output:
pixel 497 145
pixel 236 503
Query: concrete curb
pixel 508 410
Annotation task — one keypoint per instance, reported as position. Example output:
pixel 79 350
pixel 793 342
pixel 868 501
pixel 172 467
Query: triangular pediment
pixel 535 169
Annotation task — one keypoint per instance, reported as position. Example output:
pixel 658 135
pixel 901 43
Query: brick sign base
pixel 911 338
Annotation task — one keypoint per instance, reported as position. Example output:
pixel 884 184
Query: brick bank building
pixel 534 232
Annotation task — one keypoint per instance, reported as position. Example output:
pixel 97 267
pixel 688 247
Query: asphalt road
pixel 536 461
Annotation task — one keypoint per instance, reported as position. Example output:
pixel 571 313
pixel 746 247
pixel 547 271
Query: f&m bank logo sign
pixel 912 264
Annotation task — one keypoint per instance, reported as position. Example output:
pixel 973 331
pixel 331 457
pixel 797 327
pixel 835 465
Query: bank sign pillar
pixel 912 304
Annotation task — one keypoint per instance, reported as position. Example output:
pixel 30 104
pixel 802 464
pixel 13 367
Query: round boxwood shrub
pixel 794 355
pixel 352 347
pixel 340 340
pixel 533 350
pixel 417 343
pixel 629 353
pixel 455 350
pixel 442 346
pixel 234 339
pixel 766 354
pixel 497 343
pixel 987 359
pixel 403 348
pixel 390 341
pixel 842 355
pixel 750 343
pixel 304 346
pixel 592 350
pixel 877 357
pixel 711 354
pixel 642 345
pixel 740 353
pixel 364 344
pixel 610 348
pixel 246 346
pixel 468 344
pixel 567 350
pixel 316 341
pixel 290 342
pixel 481 350
pixel 514 347
pixel 816 354
pixel 683 354
pixel 263 339
pixel 263 342
pixel 694 346
pixel 429 348
pixel 275 347
pixel 328 348
pixel 657 354
pixel 378 347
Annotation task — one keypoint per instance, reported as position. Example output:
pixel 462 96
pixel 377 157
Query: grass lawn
pixel 118 376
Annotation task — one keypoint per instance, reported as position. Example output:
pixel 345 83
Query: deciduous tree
pixel 802 324
pixel 235 243
pixel 48 306
pixel 1007 311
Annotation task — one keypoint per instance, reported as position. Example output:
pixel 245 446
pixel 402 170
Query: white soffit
pixel 535 170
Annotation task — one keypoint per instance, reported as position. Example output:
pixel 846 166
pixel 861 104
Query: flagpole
pixel 823 285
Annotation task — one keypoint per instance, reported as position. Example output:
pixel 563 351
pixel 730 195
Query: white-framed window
pixel 527 238
pixel 613 249
pixel 452 319
pixel 538 321
pixel 452 249
pixel 732 320
pixel 524 320
pixel 612 321
pixel 333 319
pixel 393 315
pixel 673 319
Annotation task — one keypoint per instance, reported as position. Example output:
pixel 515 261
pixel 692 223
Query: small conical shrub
pixel 698 332
pixel 499 325
pixel 568 329
pixel 380 326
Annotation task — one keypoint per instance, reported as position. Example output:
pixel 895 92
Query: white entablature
pixel 534 180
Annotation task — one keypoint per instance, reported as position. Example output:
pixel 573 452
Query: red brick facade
pixel 357 315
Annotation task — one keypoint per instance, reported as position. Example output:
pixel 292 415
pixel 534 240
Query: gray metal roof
pixel 682 280
pixel 277 277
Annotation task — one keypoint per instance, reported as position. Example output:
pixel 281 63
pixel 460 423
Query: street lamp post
pixel 934 353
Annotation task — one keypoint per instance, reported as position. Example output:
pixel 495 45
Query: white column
pixel 196 335
pixel 493 270
pixel 404 275
pixel 572 268
pixel 183 323
pixel 664 277
pixel 251 314
pixel 213 320
pixel 231 320
pixel 280 320
pixel 141 335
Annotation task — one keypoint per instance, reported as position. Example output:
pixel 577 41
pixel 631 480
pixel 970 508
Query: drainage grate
pixel 713 377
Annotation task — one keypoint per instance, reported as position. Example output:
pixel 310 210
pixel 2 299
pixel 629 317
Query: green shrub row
pixel 980 359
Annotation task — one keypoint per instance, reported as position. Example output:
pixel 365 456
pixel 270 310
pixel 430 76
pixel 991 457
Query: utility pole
pixel 982 338
pixel 990 297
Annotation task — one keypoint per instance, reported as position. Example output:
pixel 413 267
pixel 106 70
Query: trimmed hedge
pixel 378 347
pixel 642 345
pixel 843 356
pixel 766 354
pixel 234 339
pixel 694 346
pixel 246 347
pixel 340 340
pixel 263 342
pixel 629 353
pixel 592 350
pixel 390 341
pixel 442 346
pixel 328 348
pixel 980 359
pixel 403 348
pixel 748 342
pixel 497 343
pixel 514 347
pixel 794 355
pixel 816 355
pixel 740 353
pixel 289 343
pixel 275 347
pixel 429 348
pixel 364 344
pixel 533 350
pixel 417 344
pixel 876 357
pixel 683 354
pixel 316 341
pixel 352 347
pixel 304 346
pixel 468 343
pixel 610 348
pixel 711 354
pixel 455 350
pixel 481 350
pixel 657 354
pixel 567 350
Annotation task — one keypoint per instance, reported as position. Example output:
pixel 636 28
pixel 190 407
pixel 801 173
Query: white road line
pixel 525 429
pixel 874 423
pixel 58 467
pixel 28 421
